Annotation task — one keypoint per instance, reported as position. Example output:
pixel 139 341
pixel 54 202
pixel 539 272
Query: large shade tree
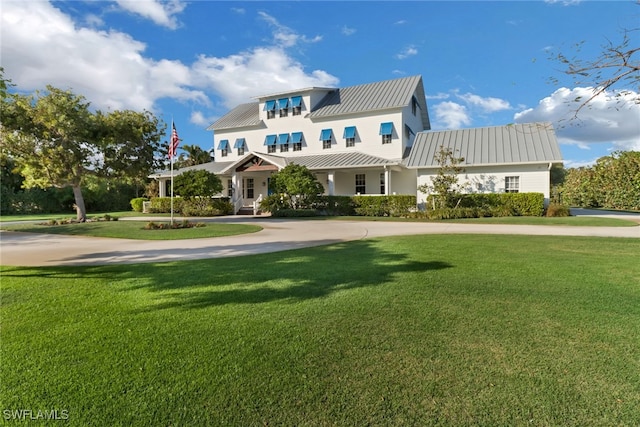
pixel 56 140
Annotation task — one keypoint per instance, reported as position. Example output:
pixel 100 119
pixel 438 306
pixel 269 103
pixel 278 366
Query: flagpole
pixel 172 155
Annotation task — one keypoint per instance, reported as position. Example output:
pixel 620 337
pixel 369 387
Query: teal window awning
pixel 325 135
pixel 296 101
pixel 350 132
pixel 283 138
pixel 386 128
pixel 239 143
pixel 224 144
pixel 270 105
pixel 270 140
pixel 296 137
pixel 283 103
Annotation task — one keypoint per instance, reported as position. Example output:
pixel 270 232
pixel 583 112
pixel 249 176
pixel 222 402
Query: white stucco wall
pixel 534 178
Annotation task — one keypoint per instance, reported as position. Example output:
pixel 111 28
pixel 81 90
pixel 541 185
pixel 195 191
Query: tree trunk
pixel 81 211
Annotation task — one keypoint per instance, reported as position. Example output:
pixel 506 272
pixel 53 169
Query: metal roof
pixel 388 94
pixel 336 160
pixel 244 115
pixel 213 167
pixel 511 144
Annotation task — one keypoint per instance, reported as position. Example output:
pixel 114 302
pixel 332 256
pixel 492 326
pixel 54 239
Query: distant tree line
pixel 612 183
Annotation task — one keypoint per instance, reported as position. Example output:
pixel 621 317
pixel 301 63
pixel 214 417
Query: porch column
pixel 331 183
pixel 162 187
pixel 387 181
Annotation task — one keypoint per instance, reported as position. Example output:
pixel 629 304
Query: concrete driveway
pixel 28 249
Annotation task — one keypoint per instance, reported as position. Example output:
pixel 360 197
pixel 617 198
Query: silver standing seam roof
pixel 388 94
pixel 499 145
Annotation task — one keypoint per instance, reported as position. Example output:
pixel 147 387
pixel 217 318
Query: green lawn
pixel 46 217
pixel 414 330
pixel 135 230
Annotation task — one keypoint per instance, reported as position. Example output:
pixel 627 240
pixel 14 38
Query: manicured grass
pixel 577 221
pixel 135 230
pixel 46 217
pixel 414 330
pixel 519 220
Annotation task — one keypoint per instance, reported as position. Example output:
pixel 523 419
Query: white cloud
pixel 348 31
pixel 612 117
pixel 407 52
pixel 487 105
pixel 198 118
pixel 41 45
pixel 162 13
pixel 285 36
pixel 237 78
pixel 451 115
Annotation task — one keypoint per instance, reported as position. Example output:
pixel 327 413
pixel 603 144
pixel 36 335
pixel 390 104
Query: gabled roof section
pixel 383 95
pixel 244 115
pixel 511 144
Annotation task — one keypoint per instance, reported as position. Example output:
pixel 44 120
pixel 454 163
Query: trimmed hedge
pixel 136 204
pixel 503 204
pixel 192 207
pixel 294 213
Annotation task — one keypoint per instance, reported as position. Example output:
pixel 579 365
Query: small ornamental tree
pixel 196 183
pixel 444 186
pixel 297 185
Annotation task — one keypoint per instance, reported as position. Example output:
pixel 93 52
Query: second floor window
pixel 224 147
pixel 296 140
pixel 386 130
pixel 270 108
pixel 350 136
pixel 325 137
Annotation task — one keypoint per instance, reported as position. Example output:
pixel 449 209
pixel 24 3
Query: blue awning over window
pixel 283 103
pixel 386 128
pixel 224 144
pixel 270 105
pixel 270 140
pixel 239 143
pixel 283 138
pixel 350 132
pixel 296 101
pixel 296 137
pixel 325 135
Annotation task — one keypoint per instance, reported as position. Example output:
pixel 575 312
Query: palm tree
pixel 195 155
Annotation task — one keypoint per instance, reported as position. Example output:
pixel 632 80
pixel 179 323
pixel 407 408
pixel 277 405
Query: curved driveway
pixel 27 249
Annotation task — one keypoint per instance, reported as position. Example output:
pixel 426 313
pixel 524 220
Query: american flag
pixel 175 140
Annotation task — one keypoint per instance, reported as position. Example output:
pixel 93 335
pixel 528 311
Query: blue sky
pixel 482 63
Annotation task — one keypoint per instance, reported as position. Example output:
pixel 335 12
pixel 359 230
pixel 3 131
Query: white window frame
pixel 511 184
pixel 361 183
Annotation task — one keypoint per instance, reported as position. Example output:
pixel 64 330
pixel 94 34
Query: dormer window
pixel 270 108
pixel 296 105
pixel 283 105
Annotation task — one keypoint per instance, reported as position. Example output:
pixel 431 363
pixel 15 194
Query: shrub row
pixel 396 206
pixel 502 204
pixel 192 206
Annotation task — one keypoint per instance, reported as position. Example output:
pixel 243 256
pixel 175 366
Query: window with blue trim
pixel 223 147
pixel 240 145
pixel 325 137
pixel 283 142
pixel 296 140
pixel 296 105
pixel 350 136
pixel 386 130
pixel 283 105
pixel 270 142
pixel 270 108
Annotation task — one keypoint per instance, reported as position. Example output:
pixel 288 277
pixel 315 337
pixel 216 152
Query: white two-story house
pixel 356 140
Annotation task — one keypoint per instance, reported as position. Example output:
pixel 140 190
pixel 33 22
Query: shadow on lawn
pixel 283 276
pixel 280 276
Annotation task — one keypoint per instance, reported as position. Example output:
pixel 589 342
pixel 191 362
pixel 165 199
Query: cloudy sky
pixel 483 63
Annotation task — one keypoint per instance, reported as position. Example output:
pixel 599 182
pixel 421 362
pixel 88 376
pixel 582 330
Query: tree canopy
pixel 298 184
pixel 56 140
pixel 197 183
